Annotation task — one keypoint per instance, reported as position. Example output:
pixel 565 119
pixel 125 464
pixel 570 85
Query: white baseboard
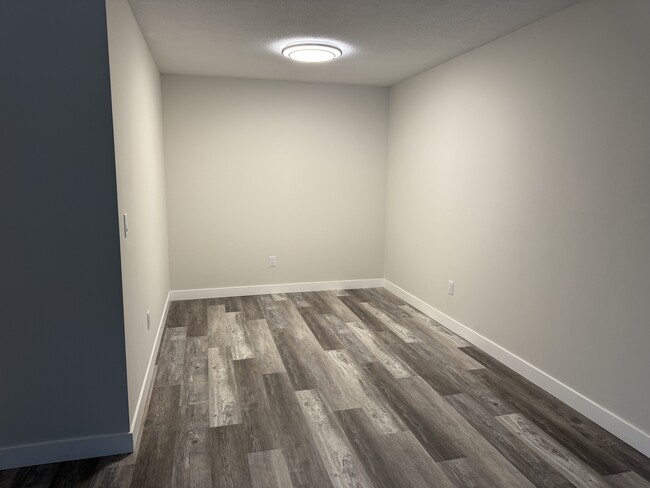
pixel 147 384
pixel 611 422
pixel 65 450
pixel 239 291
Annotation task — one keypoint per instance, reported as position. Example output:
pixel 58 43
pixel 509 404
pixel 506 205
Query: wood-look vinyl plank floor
pixel 341 461
pixel 568 427
pixel 565 429
pixel 346 388
pixel 393 459
pixel 269 469
pixel 627 480
pixel 172 357
pixel 225 407
pixel 192 448
pixel 581 475
pixel 306 466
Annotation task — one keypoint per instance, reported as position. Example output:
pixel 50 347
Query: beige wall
pixel 521 171
pixel 260 168
pixel 137 121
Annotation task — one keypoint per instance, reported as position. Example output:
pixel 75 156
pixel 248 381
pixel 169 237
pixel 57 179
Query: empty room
pixel 325 243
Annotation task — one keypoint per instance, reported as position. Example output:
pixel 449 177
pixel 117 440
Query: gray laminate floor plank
pixel 234 304
pixel 627 480
pixel 269 469
pixel 444 418
pixel 275 316
pixel 225 407
pixel 265 302
pixel 338 307
pixel 194 385
pixel 240 343
pixel 308 366
pixel 446 354
pixel 259 433
pixel 392 459
pixel 486 396
pixel 318 303
pixel 365 315
pixel 526 460
pixel 362 392
pixel 306 467
pixel 324 333
pixel 293 358
pixel 380 351
pixel 251 308
pixel 115 477
pixel 417 414
pixel 387 303
pixel 218 327
pixel 229 458
pixel 172 357
pixel 342 388
pixel 596 447
pixel 430 326
pixel 81 472
pixel 192 464
pixel 557 422
pixel 156 457
pixel 38 476
pixel 299 299
pixel 402 331
pixel 463 475
pixel 349 339
pixel 341 461
pixel 581 475
pixel 440 376
pixel 196 317
pixel 443 432
pixel 264 348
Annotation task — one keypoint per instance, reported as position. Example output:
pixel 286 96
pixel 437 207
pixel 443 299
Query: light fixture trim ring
pixel 311 46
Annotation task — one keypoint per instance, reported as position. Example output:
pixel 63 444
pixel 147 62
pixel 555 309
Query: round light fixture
pixel 311 52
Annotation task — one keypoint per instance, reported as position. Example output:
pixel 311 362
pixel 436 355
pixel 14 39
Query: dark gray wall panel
pixel 62 355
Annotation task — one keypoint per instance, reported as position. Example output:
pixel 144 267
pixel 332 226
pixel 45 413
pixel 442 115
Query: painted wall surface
pixel 137 121
pixel 260 168
pixel 62 357
pixel 521 171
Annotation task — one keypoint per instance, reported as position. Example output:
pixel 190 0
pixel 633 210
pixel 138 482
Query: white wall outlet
pixel 451 287
pixel 273 261
pixel 148 319
pixel 125 224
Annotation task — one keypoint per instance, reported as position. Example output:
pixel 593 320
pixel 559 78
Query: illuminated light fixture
pixel 311 52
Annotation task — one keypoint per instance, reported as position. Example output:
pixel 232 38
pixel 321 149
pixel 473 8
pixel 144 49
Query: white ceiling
pixel 384 41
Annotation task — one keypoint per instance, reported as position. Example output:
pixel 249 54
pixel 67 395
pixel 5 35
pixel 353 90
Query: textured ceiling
pixel 384 41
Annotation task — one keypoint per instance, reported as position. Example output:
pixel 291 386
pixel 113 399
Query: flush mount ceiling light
pixel 311 52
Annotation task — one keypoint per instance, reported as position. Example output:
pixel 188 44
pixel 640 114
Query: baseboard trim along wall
pixel 240 291
pixel 590 409
pixel 147 385
pixel 66 449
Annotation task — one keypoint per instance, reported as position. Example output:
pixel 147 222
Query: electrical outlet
pixel 451 287
pixel 273 261
pixel 148 319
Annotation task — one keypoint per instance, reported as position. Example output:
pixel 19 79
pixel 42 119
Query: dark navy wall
pixel 62 353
